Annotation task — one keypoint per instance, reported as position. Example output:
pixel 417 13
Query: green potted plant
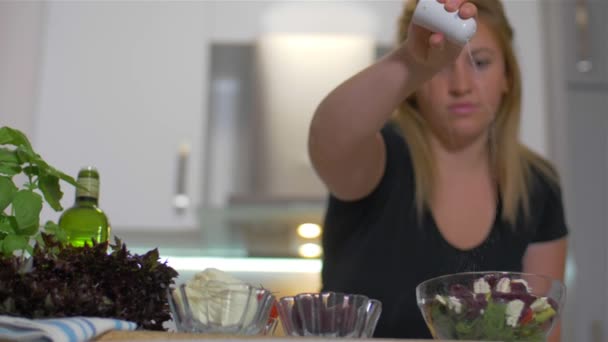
pixel 43 276
pixel 20 206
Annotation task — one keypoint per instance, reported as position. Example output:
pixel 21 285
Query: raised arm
pixel 345 145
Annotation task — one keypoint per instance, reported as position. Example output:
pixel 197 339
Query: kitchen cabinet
pixel 122 87
pixel 585 32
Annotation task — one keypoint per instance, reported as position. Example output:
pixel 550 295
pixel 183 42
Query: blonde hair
pixel 512 161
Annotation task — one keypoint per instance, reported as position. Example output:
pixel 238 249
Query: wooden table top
pixel 174 336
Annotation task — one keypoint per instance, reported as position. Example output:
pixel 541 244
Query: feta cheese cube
pixel 454 304
pixel 512 321
pixel 513 311
pixel 540 304
pixel 440 299
pixel 481 286
pixel 504 285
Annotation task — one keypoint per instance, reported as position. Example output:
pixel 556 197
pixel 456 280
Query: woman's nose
pixel 460 78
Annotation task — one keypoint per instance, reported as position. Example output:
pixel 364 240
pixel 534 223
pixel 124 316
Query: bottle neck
pixel 86 201
pixel 87 193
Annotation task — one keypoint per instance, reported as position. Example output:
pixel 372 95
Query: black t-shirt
pixel 375 246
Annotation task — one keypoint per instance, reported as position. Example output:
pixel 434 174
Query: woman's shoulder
pixel 398 158
pixel 394 140
pixel 396 169
pixel 392 130
pixel 546 202
pixel 543 174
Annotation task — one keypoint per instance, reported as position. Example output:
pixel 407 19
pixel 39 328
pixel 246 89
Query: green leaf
pixel 9 169
pixel 11 136
pixel 42 167
pixel 14 243
pixel 31 170
pixel 39 240
pixel 7 225
pixel 27 206
pixel 8 189
pixel 49 185
pixel 42 164
pixel 26 154
pixel 9 162
pixel 495 322
pixel 29 248
pixel 8 156
pixel 67 178
pixel 53 228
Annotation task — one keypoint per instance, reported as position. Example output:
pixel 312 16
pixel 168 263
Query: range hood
pixel 262 98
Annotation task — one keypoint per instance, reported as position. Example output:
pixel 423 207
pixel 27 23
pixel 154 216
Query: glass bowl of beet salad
pixel 491 306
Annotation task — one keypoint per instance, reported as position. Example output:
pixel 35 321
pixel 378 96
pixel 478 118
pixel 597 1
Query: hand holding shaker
pixel 433 16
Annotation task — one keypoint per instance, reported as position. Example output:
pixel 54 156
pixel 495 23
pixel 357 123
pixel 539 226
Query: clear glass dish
pixel 491 306
pixel 329 314
pixel 223 308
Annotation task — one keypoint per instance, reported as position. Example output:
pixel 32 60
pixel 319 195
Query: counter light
pixel 309 230
pixel 310 250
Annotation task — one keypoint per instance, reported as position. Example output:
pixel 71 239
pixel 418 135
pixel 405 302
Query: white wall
pixel 525 17
pixel 241 21
pixel 21 25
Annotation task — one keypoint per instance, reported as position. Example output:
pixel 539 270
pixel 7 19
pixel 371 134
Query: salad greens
pixel 492 324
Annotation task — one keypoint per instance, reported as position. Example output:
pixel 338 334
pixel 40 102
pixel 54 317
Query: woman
pixel 441 186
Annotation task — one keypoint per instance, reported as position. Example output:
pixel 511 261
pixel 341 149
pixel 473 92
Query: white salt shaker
pixel 433 16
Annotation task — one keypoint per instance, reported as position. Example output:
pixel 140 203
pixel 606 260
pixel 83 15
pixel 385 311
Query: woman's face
pixel 460 102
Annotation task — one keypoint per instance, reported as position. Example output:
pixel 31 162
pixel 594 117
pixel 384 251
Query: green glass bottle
pixel 85 221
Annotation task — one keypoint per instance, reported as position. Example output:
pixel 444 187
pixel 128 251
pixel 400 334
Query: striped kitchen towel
pixel 72 329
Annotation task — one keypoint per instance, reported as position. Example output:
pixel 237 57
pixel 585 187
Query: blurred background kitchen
pixel 196 115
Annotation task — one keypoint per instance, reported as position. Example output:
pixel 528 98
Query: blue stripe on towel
pixel 66 329
pixel 15 332
pixel 85 332
pixel 91 326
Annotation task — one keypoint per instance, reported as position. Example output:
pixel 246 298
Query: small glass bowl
pixel 524 307
pixel 329 314
pixel 222 308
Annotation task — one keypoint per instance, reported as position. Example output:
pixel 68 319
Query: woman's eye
pixel 481 63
